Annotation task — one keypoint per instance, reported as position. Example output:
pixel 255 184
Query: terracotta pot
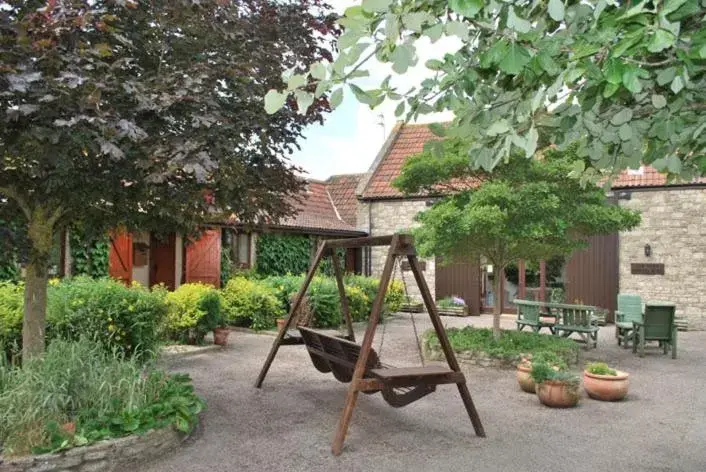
pixel 524 378
pixel 69 428
pixel 608 388
pixel 558 394
pixel 281 323
pixel 220 336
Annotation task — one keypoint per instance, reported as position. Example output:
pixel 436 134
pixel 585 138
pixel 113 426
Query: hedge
pixel 193 310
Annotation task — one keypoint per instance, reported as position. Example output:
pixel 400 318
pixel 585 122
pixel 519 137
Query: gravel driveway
pixel 289 423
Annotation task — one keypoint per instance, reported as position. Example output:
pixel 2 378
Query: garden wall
pixel 674 225
pixel 106 456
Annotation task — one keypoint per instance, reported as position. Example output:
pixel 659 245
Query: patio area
pixel 289 423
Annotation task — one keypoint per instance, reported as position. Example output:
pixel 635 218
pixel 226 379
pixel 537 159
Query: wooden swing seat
pixel 400 386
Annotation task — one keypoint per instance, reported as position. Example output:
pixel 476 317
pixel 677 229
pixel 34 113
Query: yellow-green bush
pixel 251 303
pixel 358 303
pixel 11 313
pixel 194 309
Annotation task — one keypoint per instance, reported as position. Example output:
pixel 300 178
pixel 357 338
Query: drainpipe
pixel 368 249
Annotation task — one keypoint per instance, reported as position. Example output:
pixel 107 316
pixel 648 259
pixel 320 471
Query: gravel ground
pixel 289 423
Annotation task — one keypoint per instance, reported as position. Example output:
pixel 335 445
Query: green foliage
pixel 325 302
pixel 395 297
pixel 11 314
pixel 359 303
pixel 326 267
pixel 600 368
pixel 543 371
pixel 512 345
pixel 194 309
pixel 123 318
pixel 557 295
pixel 226 265
pixel 89 255
pixel 251 303
pixel 281 254
pixel 104 393
pixel 624 80
pixel 284 287
pixel 449 302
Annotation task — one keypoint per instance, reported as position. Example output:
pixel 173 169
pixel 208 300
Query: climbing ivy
pixel 89 253
pixel 280 254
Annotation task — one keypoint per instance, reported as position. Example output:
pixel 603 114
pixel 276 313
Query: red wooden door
pixel 163 261
pixel 203 259
pixel 120 257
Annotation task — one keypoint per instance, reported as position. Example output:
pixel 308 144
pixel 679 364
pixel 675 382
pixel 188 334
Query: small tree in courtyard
pixel 148 114
pixel 526 209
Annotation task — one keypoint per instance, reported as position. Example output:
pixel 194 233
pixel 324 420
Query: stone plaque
pixel 647 268
pixel 405 265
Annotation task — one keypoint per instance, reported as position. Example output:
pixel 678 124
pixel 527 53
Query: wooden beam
pixel 360 242
pixel 445 344
pixel 342 294
pixel 295 306
pixel 360 366
pixel 542 280
pixel 522 279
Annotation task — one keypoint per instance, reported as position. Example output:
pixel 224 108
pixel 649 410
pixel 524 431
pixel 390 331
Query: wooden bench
pixel 535 315
pixel 576 319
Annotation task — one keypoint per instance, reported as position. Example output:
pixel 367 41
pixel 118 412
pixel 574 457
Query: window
pixel 241 250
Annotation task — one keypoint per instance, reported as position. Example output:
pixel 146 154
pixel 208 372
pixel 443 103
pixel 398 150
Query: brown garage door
pixel 592 274
pixel 460 280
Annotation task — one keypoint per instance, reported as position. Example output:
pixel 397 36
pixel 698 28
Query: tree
pixel 625 80
pixel 526 209
pixel 148 115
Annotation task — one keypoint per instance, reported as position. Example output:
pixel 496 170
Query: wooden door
pixel 460 280
pixel 120 257
pixel 203 259
pixel 592 274
pixel 163 261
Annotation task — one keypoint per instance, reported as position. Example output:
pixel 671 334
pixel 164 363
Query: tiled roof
pixel 646 177
pixel 316 212
pixel 342 190
pixel 408 140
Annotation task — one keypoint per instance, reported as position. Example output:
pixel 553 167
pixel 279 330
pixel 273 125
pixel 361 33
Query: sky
pixel 352 135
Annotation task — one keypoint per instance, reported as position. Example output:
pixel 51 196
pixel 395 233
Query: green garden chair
pixel 629 310
pixel 657 325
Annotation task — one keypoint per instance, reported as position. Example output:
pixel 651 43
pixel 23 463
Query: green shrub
pixel 512 345
pixel 325 302
pixel 104 393
pixel 279 254
pixel 105 310
pixel 284 287
pixel 600 368
pixel 542 371
pixel 359 304
pixel 11 314
pixel 194 309
pixel 251 303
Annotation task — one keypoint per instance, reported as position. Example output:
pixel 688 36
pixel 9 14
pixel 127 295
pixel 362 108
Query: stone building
pixel 674 228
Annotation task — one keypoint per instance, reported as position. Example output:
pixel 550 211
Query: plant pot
pixel 608 388
pixel 453 311
pixel 220 336
pixel 281 322
pixel 524 378
pixel 558 394
pixel 69 428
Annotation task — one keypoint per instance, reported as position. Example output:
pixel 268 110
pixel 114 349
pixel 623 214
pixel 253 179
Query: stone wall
pixel 106 456
pixel 388 217
pixel 674 225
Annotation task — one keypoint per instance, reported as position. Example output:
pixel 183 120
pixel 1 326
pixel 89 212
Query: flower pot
pixel 220 336
pixel 69 428
pixel 524 378
pixel 281 323
pixel 558 394
pixel 608 388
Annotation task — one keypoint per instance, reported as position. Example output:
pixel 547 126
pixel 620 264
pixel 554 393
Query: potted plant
pixel 452 306
pixel 604 383
pixel 220 335
pixel 555 388
pixel 281 322
pixel 524 368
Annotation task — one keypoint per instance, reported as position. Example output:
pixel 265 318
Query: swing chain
pixel 411 314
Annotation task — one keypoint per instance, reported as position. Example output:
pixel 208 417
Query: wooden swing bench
pixel 359 365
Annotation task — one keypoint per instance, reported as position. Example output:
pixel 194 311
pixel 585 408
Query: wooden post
pixel 522 280
pixel 295 306
pixel 445 344
pixel 542 280
pixel 342 294
pixel 360 365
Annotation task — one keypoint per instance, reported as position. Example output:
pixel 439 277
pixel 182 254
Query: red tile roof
pixel 342 190
pixel 408 139
pixel 316 212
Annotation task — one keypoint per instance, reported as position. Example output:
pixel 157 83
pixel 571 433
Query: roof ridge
pixel 333 205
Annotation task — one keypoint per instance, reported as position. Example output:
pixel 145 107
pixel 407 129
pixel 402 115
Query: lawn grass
pixel 512 345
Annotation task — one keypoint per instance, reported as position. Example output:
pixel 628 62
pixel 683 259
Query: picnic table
pixel 561 319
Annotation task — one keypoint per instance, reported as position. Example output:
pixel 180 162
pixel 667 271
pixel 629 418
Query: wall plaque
pixel 647 268
pixel 405 265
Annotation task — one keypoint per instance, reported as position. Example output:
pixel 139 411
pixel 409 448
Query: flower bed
pixel 478 346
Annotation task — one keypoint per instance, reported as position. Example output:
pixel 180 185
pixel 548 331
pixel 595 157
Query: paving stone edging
pixel 112 455
pixel 478 358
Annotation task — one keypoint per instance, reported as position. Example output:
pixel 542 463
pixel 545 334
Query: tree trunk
pixel 498 305
pixel 40 236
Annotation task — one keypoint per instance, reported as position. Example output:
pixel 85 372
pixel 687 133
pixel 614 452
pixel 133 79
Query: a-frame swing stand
pixel 364 370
